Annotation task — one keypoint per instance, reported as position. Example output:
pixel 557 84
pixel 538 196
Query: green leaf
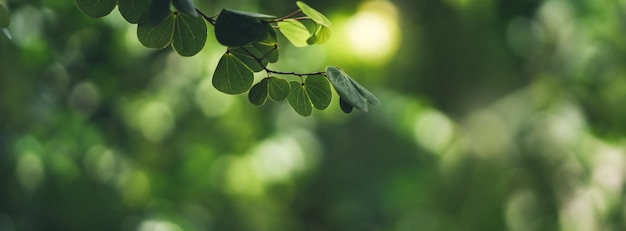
pixel 190 34
pixel 371 98
pixel 158 11
pixel 132 10
pixel 315 15
pixel 5 18
pixel 247 59
pixel 269 52
pixel 295 32
pixel 278 88
pixel 186 6
pixel 96 8
pixel 345 106
pixel 299 100
pixel 259 92
pixel 231 76
pixel 238 28
pixel 318 89
pixel 156 35
pixel 345 88
pixel 322 34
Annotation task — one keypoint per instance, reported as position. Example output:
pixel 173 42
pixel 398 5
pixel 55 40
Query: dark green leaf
pixel 238 28
pixel 247 59
pixel 295 32
pixel 371 98
pixel 132 10
pixel 318 89
pixel 159 10
pixel 186 6
pixel 96 8
pixel 156 36
pixel 231 76
pixel 278 88
pixel 5 18
pixel 259 92
pixel 269 52
pixel 345 88
pixel 299 100
pixel 315 15
pixel 345 106
pixel 190 34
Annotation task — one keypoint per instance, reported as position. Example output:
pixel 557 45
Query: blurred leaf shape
pixel 231 76
pixel 295 32
pixel 5 17
pixel 237 28
pixel 132 10
pixel 96 8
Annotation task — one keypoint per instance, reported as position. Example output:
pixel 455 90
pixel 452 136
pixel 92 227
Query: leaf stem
pixel 260 62
pixel 210 19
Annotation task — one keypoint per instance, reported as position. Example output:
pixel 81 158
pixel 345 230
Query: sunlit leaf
pixel 132 10
pixel 345 106
pixel 259 92
pixel 238 28
pixel 345 88
pixel 278 88
pixel 190 34
pixel 245 55
pixel 231 76
pixel 322 34
pixel 96 8
pixel 5 18
pixel 371 98
pixel 156 36
pixel 186 6
pixel 299 100
pixel 159 10
pixel 315 15
pixel 318 89
pixel 295 32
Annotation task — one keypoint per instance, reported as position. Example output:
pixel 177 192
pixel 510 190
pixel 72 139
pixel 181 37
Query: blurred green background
pixel 496 115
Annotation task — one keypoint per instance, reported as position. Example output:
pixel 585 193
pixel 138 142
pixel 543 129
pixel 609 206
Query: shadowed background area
pixel 495 115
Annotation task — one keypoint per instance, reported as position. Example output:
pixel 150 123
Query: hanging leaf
pixel 190 34
pixel 158 35
pixel 299 100
pixel 345 106
pixel 278 88
pixel 96 8
pixel 315 15
pixel 295 32
pixel 321 36
pixel 132 10
pixel 186 6
pixel 259 92
pixel 345 88
pixel 318 89
pixel 5 18
pixel 238 28
pixel 371 98
pixel 231 76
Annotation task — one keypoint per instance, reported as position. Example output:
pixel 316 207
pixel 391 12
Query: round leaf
pixel 238 28
pixel 186 6
pixel 231 76
pixel 345 88
pixel 190 34
pixel 315 15
pixel 278 88
pixel 259 92
pixel 322 34
pixel 156 36
pixel 299 100
pixel 251 62
pixel 132 10
pixel 5 18
pixel 159 10
pixel 318 89
pixel 295 32
pixel 96 8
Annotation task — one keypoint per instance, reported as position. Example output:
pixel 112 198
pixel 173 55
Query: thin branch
pixel 210 19
pixel 260 62
pixel 296 18
pixel 289 15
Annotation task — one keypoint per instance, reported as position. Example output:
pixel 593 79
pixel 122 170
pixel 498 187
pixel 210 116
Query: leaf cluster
pixel 252 44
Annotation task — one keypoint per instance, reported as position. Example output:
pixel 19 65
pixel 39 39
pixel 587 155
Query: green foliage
pixel 5 18
pixel 252 44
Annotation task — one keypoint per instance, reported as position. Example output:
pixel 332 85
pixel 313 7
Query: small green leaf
pixel 371 98
pixel 259 92
pixel 315 15
pixel 132 10
pixel 345 88
pixel 190 34
pixel 186 6
pixel 156 35
pixel 96 8
pixel 322 35
pixel 299 100
pixel 5 18
pixel 345 106
pixel 295 32
pixel 238 28
pixel 318 89
pixel 243 53
pixel 231 76
pixel 278 88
